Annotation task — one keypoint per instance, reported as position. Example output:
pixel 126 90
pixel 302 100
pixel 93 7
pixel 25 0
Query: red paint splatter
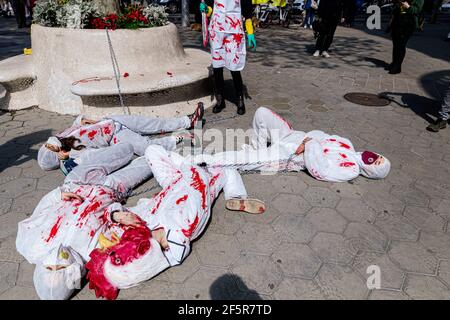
pixel 93 207
pixel 347 164
pixel 344 145
pixel 115 140
pixel 92 233
pixel 82 132
pixel 214 180
pixel 343 155
pixel 107 130
pixel 92 134
pixel 192 226
pixel 238 38
pixel 332 140
pixel 54 229
pixel 182 199
pixel 199 185
pixel 326 150
pixel 219 5
pixel 126 75
pixel 163 194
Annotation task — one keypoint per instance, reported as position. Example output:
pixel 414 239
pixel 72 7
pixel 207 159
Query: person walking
pixel 444 113
pixel 329 14
pixel 19 12
pixel 310 8
pixel 404 22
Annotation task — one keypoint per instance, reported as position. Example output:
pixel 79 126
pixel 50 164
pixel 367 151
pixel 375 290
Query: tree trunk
pixel 185 13
pixel 108 6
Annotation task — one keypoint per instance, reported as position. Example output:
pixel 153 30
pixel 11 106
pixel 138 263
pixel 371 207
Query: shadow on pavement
pixel 231 287
pixel 18 150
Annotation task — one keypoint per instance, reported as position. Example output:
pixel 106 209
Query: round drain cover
pixel 366 99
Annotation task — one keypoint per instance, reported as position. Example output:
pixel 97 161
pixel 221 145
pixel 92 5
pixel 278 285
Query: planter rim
pixel 36 25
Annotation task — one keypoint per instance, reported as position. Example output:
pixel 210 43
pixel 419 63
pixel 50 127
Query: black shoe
pixel 240 105
pixel 388 67
pixel 439 124
pixel 395 70
pixel 220 105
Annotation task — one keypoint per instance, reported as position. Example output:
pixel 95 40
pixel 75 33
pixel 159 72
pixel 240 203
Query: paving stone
pixel 258 272
pixel 397 227
pixel 288 184
pixel 153 290
pixel 297 260
pixel 294 229
pixel 365 237
pixel 436 243
pixel 291 204
pixel 382 201
pixel 444 271
pixel 225 221
pixel 410 196
pixel 9 174
pixel 8 251
pixel 321 197
pixel 424 219
pixel 5 205
pixel 326 220
pixel 298 289
pixel 25 274
pixel 9 223
pixel 332 248
pixel 347 190
pixel 258 238
pixel 19 293
pixel 217 249
pixel 441 207
pixel 356 210
pixel 387 295
pixel 51 180
pixel 413 257
pixel 8 275
pixel 17 187
pixel 340 282
pixel 392 276
pixel 28 202
pixel 421 287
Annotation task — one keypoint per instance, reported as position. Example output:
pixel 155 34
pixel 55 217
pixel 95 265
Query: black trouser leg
pixel 19 12
pixel 219 84
pixel 239 87
pixel 399 42
pixel 320 41
pixel 329 37
pixel 238 83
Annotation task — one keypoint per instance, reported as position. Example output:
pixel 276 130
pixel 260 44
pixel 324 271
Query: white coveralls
pixel 227 37
pixel 183 207
pixel 326 157
pixel 55 222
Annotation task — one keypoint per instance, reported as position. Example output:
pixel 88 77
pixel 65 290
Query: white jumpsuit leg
pixel 268 126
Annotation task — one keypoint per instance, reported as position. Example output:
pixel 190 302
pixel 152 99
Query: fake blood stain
pixel 92 134
pixel 54 229
pixel 344 145
pixel 82 132
pixel 199 185
pixel 192 226
pixel 182 199
pixel 347 164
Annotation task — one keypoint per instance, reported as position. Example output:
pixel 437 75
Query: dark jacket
pixel 406 20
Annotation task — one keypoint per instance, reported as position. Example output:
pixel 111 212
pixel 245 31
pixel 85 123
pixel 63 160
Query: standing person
pixel 227 41
pixel 329 13
pixel 404 22
pixel 444 113
pixel 310 8
pixel 350 12
pixel 19 12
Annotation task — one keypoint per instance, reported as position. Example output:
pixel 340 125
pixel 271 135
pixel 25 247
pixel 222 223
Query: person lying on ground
pixel 276 146
pixel 86 214
pixel 85 134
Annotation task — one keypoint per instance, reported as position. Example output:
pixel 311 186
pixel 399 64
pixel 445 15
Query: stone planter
pixel 73 72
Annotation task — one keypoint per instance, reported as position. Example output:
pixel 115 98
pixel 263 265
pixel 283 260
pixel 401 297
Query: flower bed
pixel 83 14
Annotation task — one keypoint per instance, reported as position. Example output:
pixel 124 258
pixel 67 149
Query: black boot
pixel 220 105
pixel 240 105
pixel 439 124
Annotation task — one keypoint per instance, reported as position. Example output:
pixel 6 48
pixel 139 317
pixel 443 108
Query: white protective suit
pixel 56 222
pixel 183 207
pixel 326 157
pixel 115 129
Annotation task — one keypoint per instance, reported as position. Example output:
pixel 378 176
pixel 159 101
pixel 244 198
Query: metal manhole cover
pixel 366 99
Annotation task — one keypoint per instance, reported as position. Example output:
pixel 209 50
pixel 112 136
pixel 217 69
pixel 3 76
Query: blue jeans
pixel 309 18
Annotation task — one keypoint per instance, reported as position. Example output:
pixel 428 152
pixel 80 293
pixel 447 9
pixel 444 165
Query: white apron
pixel 227 37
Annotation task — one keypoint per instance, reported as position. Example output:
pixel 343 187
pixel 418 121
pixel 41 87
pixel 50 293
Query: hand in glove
pixel 251 41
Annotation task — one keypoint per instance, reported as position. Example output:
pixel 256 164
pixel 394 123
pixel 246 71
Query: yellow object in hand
pixel 27 51
pixel 249 26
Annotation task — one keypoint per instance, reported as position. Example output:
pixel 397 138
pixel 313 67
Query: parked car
pixel 445 7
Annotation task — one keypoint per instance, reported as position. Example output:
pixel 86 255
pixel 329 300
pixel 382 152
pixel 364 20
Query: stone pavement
pixel 316 239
